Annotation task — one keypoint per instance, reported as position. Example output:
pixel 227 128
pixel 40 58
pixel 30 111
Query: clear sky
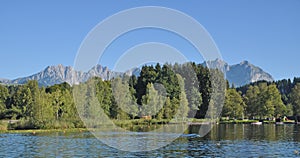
pixel 36 34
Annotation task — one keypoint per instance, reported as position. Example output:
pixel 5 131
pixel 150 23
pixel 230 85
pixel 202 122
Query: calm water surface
pixel 222 141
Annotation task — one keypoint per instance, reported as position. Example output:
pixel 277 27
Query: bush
pixel 57 124
pixel 22 124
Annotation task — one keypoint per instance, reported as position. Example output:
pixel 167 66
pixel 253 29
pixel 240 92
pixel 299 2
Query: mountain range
pixel 238 74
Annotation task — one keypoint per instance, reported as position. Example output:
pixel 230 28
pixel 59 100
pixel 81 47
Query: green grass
pixel 238 121
pixel 141 122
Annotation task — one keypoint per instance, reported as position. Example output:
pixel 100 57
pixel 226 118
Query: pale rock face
pixel 242 73
pixel 58 74
pixel 4 81
pixel 239 74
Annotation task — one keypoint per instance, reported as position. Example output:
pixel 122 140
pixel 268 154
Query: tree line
pixel 160 92
pixel 265 99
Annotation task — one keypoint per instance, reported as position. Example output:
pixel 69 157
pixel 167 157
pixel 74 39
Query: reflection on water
pixel 223 140
pixel 253 132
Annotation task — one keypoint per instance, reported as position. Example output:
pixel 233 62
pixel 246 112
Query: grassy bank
pixel 238 121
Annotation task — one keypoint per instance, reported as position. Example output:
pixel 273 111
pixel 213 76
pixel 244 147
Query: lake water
pixel 222 141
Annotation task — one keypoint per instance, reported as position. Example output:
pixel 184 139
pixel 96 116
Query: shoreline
pixel 148 123
pixel 35 131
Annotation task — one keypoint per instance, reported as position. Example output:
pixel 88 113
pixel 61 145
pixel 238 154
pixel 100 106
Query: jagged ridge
pixel 242 73
pixel 239 74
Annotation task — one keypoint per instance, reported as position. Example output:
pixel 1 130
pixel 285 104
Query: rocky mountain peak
pixel 238 74
pixel 245 62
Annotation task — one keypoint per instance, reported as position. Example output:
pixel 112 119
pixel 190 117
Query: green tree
pixel 34 107
pixel 203 76
pixel 191 86
pixel 148 74
pixel 264 101
pixel 234 104
pixel 194 102
pixel 57 102
pixel 42 112
pixel 46 111
pixel 289 110
pixel 276 101
pixel 68 109
pixel 79 94
pixel 167 109
pixel 217 95
pixel 183 108
pixel 170 82
pixel 3 98
pixel 252 101
pixel 295 99
pixel 21 101
pixel 266 107
pixel 92 112
pixel 104 94
pixel 160 114
pixel 60 97
pixel 124 98
pixel 152 101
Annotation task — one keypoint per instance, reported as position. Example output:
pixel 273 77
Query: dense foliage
pixel 160 92
pixel 271 99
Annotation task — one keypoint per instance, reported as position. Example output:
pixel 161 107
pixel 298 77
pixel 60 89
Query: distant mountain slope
pixel 242 73
pixel 4 81
pixel 58 74
pixel 239 74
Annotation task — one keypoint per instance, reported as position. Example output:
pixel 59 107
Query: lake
pixel 224 140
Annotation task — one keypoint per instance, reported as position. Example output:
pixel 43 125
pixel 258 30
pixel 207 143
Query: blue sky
pixel 35 34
